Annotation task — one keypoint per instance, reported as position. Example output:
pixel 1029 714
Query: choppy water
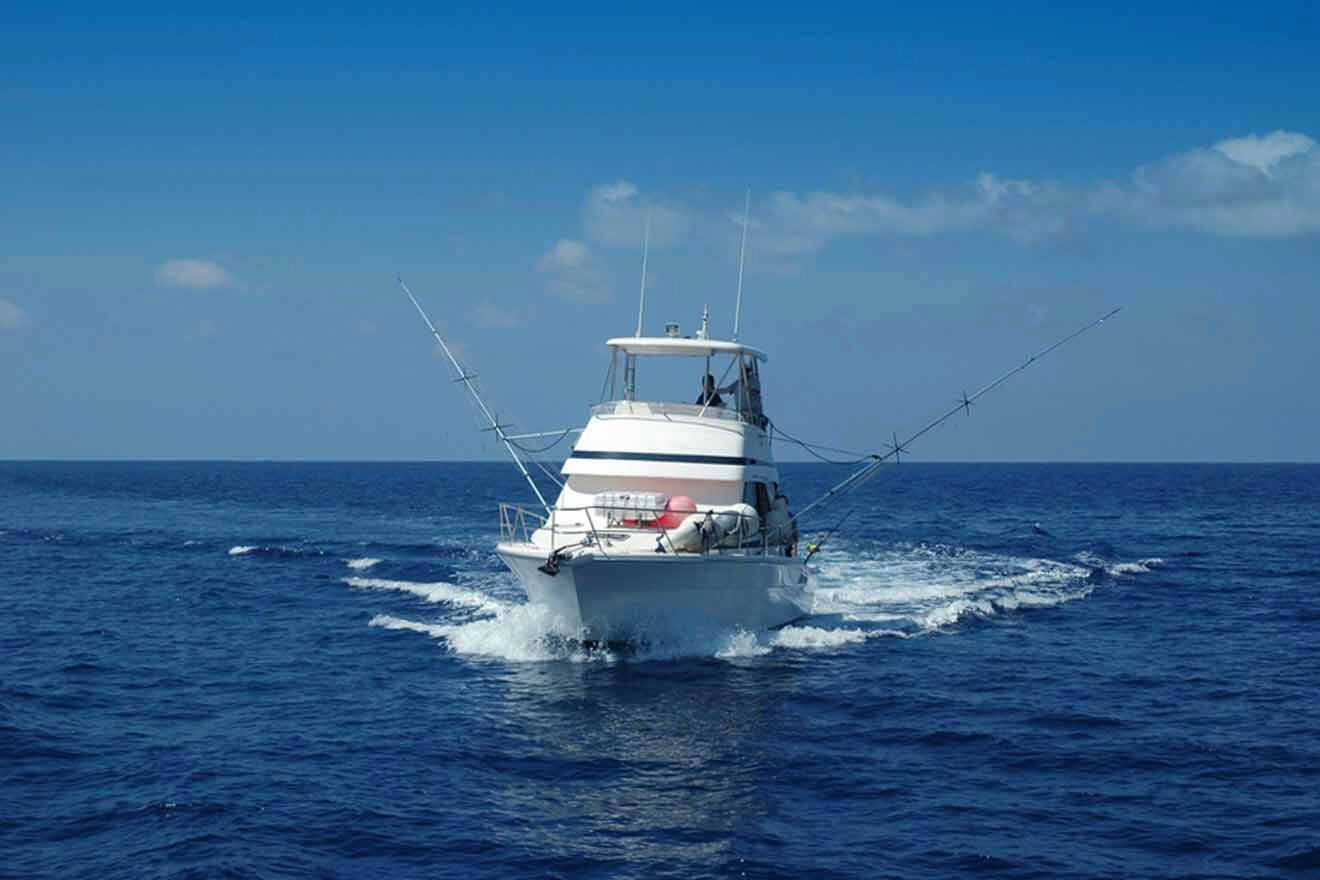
pixel 1010 670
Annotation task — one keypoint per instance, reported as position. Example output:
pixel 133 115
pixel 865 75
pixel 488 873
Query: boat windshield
pixel 719 385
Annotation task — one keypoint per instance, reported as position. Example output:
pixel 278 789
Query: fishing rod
pixel 466 378
pixel 896 449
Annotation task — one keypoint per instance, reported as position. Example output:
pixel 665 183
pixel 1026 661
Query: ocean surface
pixel 296 670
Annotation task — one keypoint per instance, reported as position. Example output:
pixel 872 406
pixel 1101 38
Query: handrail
pixel 665 408
pixel 513 522
pixel 514 526
pixel 594 537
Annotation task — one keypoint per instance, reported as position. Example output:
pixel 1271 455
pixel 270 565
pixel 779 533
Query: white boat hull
pixel 632 597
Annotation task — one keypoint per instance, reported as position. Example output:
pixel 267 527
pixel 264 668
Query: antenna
pixel 646 247
pixel 742 253
pixel 466 378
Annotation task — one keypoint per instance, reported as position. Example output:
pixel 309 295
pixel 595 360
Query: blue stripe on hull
pixel 664 457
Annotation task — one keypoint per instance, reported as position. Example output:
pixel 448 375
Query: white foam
pixel 1142 566
pixel 519 633
pixel 815 637
pixel 931 588
pixel 388 621
pixel 741 643
pixel 524 632
pixel 862 592
pixel 438 591
pixel 242 550
pixel 362 564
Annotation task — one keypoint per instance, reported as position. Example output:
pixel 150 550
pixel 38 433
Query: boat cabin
pixel 699 442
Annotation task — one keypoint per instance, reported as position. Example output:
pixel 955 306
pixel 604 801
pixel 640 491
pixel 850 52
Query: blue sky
pixel 203 217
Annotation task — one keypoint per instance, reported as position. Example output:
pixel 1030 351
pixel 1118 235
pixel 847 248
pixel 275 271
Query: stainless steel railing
pixel 659 408
pixel 598 524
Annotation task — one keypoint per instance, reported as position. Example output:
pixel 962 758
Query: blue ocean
pixel 323 670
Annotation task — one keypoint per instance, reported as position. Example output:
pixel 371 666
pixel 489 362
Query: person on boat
pixel 746 390
pixel 710 395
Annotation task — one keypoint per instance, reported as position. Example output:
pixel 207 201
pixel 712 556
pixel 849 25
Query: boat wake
pixel 275 550
pixel 437 592
pixel 916 588
pixel 862 593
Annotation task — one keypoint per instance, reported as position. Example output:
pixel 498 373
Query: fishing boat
pixel 670 513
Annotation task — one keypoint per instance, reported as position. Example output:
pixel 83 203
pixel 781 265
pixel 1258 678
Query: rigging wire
pixel 549 473
pixel 856 457
pixel 541 449
pixel 531 453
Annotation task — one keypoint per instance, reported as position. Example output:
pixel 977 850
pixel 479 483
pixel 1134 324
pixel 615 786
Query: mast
pixel 742 253
pixel 466 378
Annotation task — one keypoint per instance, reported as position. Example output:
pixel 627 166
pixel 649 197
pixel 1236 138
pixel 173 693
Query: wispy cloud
pixel 568 271
pixel 565 255
pixel 1263 153
pixel 1249 186
pixel 11 316
pixel 193 273
pixel 614 215
pixel 1255 186
pixel 788 224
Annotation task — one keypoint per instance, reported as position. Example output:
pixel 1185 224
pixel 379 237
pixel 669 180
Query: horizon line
pixel 497 461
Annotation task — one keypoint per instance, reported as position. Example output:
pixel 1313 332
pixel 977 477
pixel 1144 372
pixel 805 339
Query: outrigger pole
pixel 466 378
pixel 896 450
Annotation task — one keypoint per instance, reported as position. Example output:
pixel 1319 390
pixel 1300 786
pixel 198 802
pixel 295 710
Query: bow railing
pixel 602 526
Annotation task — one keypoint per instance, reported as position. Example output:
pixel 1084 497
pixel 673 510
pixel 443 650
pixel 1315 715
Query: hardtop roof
pixel 672 346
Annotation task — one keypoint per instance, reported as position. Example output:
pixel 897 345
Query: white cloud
pixel 1256 187
pixel 787 224
pixel 11 316
pixel 1265 152
pixel 614 215
pixel 995 189
pixel 193 273
pixel 568 271
pixel 1251 186
pixel 615 193
pixel 565 255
